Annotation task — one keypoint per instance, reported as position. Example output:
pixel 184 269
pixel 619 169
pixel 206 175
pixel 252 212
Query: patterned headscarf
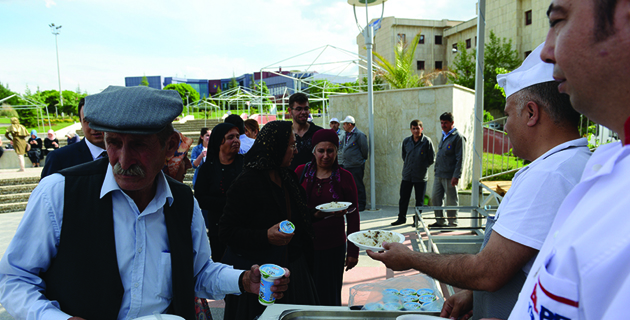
pixel 270 146
pixel 172 164
pixel 310 169
pixel 34 132
pixel 268 152
pixel 216 138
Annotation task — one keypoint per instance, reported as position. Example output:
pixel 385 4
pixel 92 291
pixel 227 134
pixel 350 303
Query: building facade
pixel 523 21
pixel 154 81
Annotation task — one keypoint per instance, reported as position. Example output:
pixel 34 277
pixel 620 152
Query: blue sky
pixel 103 41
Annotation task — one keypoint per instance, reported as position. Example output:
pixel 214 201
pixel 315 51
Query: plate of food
pixel 373 239
pixel 333 206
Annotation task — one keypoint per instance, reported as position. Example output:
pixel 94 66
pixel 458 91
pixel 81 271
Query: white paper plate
pixel 346 205
pixel 353 238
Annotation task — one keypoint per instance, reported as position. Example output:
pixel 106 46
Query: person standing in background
pixel 17 134
pixel 354 151
pixel 198 153
pixel 418 154
pixel 302 128
pixel 251 129
pixel 448 169
pixel 334 124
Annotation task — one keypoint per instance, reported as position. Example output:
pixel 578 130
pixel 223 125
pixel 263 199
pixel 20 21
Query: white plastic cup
pixel 268 274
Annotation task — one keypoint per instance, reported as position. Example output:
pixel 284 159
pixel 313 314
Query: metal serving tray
pixel 347 315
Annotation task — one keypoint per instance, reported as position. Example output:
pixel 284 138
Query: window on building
pixel 468 43
pixel 402 38
pixel 438 65
pixel 475 41
pixel 528 17
pixel 420 65
pixel 527 53
pixel 421 41
pixel 454 47
pixel 438 39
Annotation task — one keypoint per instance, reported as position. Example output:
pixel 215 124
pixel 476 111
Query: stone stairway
pixel 14 192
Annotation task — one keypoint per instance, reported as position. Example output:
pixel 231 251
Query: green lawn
pixel 55 126
pixel 495 163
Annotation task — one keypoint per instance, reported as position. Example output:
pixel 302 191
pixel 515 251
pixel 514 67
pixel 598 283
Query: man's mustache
pixel 134 170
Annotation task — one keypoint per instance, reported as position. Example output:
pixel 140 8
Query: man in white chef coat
pixel 583 269
pixel 543 128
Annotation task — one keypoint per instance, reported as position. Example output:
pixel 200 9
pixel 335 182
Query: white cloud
pixel 50 3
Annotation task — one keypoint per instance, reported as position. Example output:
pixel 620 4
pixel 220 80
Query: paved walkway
pixel 14 173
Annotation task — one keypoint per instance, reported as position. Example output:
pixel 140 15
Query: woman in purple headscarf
pixel 324 182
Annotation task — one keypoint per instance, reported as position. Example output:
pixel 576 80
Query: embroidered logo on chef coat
pixel 448 147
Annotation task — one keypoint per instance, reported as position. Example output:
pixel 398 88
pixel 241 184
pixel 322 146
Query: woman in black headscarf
pixel 223 164
pixel 266 193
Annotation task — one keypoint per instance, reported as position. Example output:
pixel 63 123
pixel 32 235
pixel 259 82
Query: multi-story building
pixel 154 81
pixel 523 21
pixel 431 52
pixel 200 85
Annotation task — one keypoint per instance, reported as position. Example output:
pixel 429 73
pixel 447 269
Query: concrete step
pixel 20 180
pixel 14 197
pixel 13 189
pixel 12 207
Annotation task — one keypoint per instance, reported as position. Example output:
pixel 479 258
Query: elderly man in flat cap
pixel 115 238
pixel 543 128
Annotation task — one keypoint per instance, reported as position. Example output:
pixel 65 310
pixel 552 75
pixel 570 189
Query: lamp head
pixel 363 2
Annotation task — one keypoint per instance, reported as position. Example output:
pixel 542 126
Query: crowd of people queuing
pixel 135 239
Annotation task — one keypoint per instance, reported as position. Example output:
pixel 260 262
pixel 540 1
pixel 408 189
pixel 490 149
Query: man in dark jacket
pixel 92 147
pixel 302 128
pixel 418 154
pixel 448 169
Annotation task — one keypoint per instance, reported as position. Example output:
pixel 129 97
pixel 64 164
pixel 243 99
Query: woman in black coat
pixel 266 193
pixel 223 164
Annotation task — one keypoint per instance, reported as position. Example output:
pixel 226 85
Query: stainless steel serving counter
pixel 300 312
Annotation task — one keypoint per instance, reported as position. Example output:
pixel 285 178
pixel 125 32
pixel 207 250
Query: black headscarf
pixel 268 152
pixel 216 138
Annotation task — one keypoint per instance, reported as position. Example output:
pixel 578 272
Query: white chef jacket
pixel 583 268
pixel 142 251
pixel 529 207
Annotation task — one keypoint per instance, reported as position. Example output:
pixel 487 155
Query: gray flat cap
pixel 134 110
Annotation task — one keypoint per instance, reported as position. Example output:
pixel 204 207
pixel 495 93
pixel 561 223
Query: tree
pixel 27 117
pixel 182 89
pixel 233 82
pixel 144 82
pixel 265 92
pixel 498 55
pixel 399 73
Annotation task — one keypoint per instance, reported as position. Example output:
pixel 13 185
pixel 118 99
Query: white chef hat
pixel 532 71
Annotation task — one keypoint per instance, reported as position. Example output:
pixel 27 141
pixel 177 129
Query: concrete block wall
pixel 393 111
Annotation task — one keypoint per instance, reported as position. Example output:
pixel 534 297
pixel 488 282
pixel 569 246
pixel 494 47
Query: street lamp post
pixel 368 35
pixel 55 30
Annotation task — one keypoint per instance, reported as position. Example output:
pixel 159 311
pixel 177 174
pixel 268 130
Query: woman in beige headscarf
pixel 18 134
